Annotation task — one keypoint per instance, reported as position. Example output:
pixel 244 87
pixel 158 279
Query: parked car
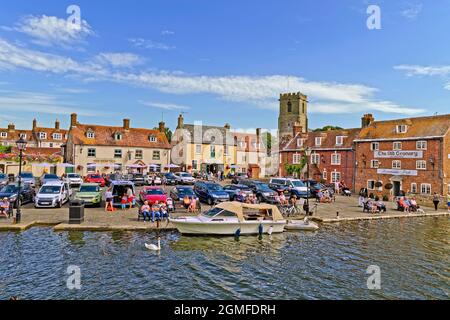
pixel 184 178
pixel 49 177
pixel 238 192
pixel 236 179
pixel 95 178
pixel 52 194
pixel 315 187
pixel 152 179
pixel 3 179
pixel 10 191
pixel 119 188
pixel 261 190
pixel 153 194
pixel 27 178
pixel 74 180
pixel 290 186
pixel 210 192
pixel 138 179
pixel 89 193
pixel 170 178
pixel 179 192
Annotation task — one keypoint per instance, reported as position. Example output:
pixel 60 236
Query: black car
pixel 261 190
pixel 10 191
pixel 170 178
pixel 238 177
pixel 210 192
pixel 238 192
pixel 179 192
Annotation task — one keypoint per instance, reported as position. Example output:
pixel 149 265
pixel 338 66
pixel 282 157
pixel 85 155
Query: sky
pixel 221 61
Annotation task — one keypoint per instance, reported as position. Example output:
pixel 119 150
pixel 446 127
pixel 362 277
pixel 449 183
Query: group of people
pixel 157 211
pixel 5 207
pixel 375 205
pixel 127 199
pixel 408 204
pixel 324 196
pixel 190 203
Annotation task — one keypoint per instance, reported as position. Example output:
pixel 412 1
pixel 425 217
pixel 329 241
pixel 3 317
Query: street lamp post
pixel 308 154
pixel 21 144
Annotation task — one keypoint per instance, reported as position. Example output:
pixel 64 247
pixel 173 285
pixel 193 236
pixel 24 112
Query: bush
pixel 385 198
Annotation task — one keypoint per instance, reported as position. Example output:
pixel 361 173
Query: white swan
pixel 154 247
pixel 270 230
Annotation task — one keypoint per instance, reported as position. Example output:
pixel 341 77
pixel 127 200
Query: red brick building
pixel 332 154
pixel 410 155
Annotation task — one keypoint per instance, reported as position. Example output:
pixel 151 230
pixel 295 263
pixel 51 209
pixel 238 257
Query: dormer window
pixel 42 135
pixel 57 136
pixel 318 141
pixel 3 134
pixel 152 138
pixel 402 128
pixel 23 135
pixel 299 142
pixel 339 140
pixel 118 136
pixel 90 134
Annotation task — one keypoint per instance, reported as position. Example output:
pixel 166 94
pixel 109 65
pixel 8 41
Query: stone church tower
pixel 293 112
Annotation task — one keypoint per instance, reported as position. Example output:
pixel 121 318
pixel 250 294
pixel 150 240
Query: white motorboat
pixel 304 225
pixel 233 218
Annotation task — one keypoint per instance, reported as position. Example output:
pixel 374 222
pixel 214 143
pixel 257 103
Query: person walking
pixel 109 200
pixel 436 199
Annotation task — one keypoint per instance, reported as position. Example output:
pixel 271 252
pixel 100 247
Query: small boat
pixel 232 218
pixel 305 225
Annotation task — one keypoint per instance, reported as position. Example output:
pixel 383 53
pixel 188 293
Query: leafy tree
pixel 326 128
pixel 268 139
pixel 295 169
pixel 5 149
pixel 168 133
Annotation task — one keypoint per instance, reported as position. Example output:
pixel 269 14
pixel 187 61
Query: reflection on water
pixel 328 264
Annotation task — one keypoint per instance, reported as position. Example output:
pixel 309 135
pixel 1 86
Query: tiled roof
pixel 14 135
pixel 432 126
pixel 328 139
pixel 50 132
pixel 105 136
pixel 38 151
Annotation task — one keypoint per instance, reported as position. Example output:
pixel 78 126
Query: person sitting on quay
pixel 324 196
pixel 145 210
pixel 187 202
pixel 4 207
pixel 156 211
pixel 283 199
pixel 413 204
pixel 192 205
pixel 164 213
pixel 380 204
pixel 372 205
pixel 404 204
pixel 319 196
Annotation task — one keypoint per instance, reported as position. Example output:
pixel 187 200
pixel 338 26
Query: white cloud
pixel 447 86
pixel 165 106
pixel 412 11
pixel 416 70
pixel 149 44
pixel 119 59
pixel 261 91
pixel 167 33
pixel 50 30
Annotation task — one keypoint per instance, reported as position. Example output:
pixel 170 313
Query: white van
pixel 53 194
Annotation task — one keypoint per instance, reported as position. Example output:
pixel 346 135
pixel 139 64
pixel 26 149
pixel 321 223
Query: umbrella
pixel 45 164
pixel 171 166
pixel 66 165
pixel 136 166
pixel 153 165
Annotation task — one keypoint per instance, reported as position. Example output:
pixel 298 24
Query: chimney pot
pixel 57 124
pixel 180 121
pixel 73 120
pixel 366 120
pixel 34 124
pixel 126 124
pixel 162 126
pixel 11 127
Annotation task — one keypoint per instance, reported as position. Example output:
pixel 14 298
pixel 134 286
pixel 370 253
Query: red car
pixel 153 194
pixel 95 178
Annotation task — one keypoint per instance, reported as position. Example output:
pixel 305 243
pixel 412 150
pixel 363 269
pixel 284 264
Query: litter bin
pixel 76 212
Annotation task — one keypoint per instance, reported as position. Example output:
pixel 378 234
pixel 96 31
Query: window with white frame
pixel 3 134
pixel 42 135
pixel 413 187
pixel 339 140
pixel 397 145
pixel 57 136
pixel 396 164
pixel 156 155
pixel 117 153
pixel 318 141
pixel 375 164
pixel 371 184
pixel 335 176
pixel 402 128
pixel 90 134
pixel 299 142
pixel 296 158
pixel 375 146
pixel 198 149
pixel 152 138
pixel 421 145
pixel 421 165
pixel 91 152
pixel 325 175
pixel 315 158
pixel 335 159
pixel 425 188
pixel 118 136
pixel 138 154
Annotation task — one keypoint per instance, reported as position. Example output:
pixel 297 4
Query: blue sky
pixel 221 61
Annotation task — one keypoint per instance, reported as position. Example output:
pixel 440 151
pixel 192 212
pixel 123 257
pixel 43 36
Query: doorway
pixel 397 188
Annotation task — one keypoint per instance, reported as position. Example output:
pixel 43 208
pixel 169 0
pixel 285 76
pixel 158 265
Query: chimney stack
pixel 180 121
pixel 162 127
pixel 126 124
pixel 73 120
pixel 34 123
pixel 11 127
pixel 57 124
pixel 366 120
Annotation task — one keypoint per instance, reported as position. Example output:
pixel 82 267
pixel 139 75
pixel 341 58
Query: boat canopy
pixel 240 209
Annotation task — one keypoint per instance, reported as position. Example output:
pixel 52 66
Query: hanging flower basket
pixel 79 167
pixel 388 186
pixel 378 184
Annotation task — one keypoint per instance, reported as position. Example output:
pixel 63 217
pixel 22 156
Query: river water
pixel 412 254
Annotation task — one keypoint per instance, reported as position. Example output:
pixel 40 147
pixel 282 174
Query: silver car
pixel 49 177
pixel 27 178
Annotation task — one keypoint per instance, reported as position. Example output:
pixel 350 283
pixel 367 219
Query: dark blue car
pixel 210 192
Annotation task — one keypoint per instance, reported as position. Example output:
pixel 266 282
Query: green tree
pixel 5 149
pixel 295 169
pixel 168 133
pixel 326 128
pixel 268 139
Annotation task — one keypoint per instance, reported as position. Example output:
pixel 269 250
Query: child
pixel 124 202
